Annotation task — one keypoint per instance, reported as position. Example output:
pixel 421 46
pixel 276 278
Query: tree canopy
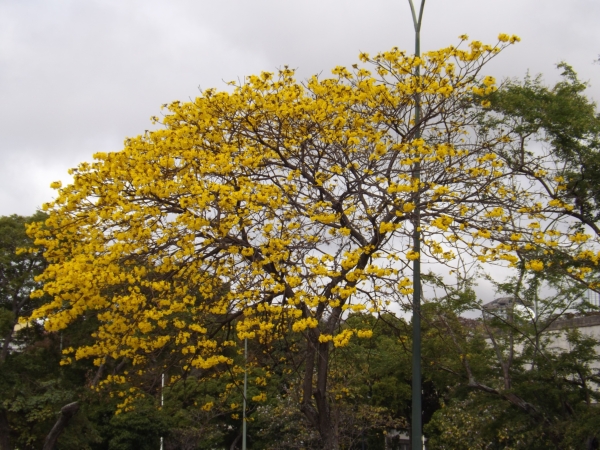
pixel 280 206
pixel 567 122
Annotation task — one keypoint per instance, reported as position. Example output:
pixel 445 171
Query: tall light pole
pixel 162 402
pixel 417 426
pixel 245 391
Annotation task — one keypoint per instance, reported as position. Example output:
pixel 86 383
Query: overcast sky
pixel 78 76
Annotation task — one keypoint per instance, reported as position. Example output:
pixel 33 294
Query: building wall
pixel 587 326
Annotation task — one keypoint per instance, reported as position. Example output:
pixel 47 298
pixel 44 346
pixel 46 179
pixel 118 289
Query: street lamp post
pixel 416 429
pixel 162 402
pixel 245 391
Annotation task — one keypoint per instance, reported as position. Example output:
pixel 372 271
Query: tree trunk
pixel 66 414
pixel 330 441
pixel 319 417
pixel 6 343
pixel 591 443
pixel 234 444
pixel 326 428
pixel 4 431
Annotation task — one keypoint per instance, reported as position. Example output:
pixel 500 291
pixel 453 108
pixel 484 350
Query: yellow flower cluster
pixel 534 265
pixel 281 203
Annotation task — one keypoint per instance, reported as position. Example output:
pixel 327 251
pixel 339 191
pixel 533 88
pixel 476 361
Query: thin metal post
pixel 417 425
pixel 245 389
pixel 162 402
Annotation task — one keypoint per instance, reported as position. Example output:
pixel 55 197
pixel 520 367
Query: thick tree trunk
pixel 4 431
pixel 66 414
pixel 330 441
pixel 326 428
pixel 319 417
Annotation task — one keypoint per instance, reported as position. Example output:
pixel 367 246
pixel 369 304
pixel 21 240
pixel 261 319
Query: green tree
pixel 549 404
pixel 564 119
pixel 20 263
pixel 512 381
pixel 517 389
pixel 17 273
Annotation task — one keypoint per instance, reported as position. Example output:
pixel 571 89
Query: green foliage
pixel 515 387
pixel 557 384
pixel 566 119
pixel 480 422
pixel 140 429
pixel 193 427
pixel 371 379
pixel 280 425
pixel 7 320
pixel 18 269
pixel 32 391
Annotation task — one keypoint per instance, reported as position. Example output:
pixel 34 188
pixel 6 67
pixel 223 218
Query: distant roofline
pixel 589 320
pixel 503 302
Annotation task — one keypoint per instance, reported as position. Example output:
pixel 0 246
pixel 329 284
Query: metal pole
pixel 245 389
pixel 162 401
pixel 417 426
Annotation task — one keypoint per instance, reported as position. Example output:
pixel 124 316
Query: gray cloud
pixel 78 77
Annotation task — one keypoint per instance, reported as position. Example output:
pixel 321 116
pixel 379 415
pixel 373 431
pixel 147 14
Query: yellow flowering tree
pixel 277 206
